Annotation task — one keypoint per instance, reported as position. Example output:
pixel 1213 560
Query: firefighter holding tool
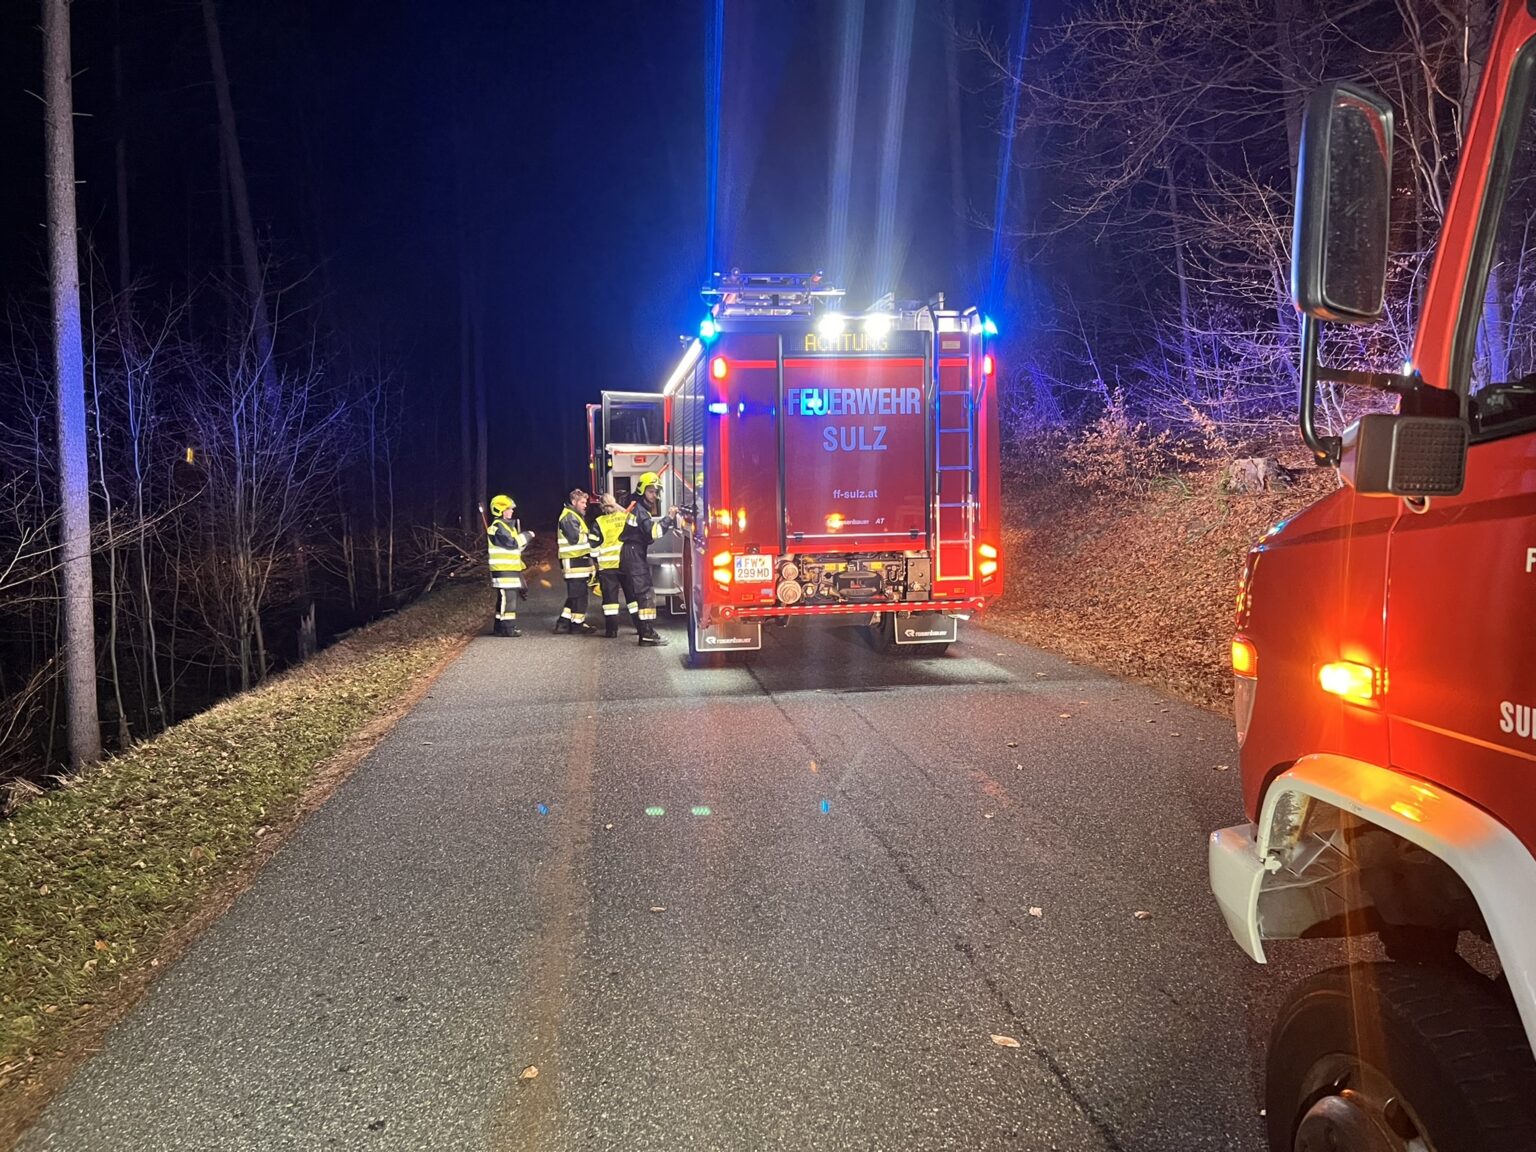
pixel 505 541
pixel 642 526
pixel 611 522
pixel 575 565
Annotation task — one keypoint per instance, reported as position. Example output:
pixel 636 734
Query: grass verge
pixel 104 881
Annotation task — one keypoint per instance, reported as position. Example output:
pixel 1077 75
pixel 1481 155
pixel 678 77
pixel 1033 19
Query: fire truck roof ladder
pixel 769 294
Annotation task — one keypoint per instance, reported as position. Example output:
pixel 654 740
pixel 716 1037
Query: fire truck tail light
pixel 1346 679
pixel 718 367
pixel 721 562
pixel 723 518
pixel 988 563
pixel 1245 657
pixel 987 365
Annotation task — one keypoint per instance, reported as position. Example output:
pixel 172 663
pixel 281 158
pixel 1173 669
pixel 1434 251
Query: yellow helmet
pixel 649 480
pixel 500 504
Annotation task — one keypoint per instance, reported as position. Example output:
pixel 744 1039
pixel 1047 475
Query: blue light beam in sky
pixel 713 72
pixel 837 255
pixel 1005 163
pixel 888 255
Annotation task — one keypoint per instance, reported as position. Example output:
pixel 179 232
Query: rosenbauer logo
pixel 926 633
pixel 714 641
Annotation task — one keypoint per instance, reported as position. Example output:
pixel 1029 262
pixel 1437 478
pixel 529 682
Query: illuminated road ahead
pixel 784 906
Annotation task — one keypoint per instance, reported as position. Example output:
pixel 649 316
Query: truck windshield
pixel 1503 383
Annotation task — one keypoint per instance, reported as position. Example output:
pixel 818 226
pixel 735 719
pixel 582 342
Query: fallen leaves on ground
pixel 1172 631
pixel 1037 912
pixel 658 907
pixel 529 1073
pixel 1142 915
pixel 1004 1041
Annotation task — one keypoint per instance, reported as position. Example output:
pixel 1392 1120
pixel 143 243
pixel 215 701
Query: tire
pixel 1442 1056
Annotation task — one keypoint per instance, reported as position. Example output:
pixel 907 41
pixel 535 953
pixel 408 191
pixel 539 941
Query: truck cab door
pixel 1460 676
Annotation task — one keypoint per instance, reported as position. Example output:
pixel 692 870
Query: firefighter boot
pixel 650 638
pixel 610 627
pixel 583 629
pixel 563 624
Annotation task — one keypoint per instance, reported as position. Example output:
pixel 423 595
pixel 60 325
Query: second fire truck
pixel 831 467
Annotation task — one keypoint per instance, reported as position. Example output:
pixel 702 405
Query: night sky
pixel 581 150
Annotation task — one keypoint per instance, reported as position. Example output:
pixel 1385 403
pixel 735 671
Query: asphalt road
pixel 781 905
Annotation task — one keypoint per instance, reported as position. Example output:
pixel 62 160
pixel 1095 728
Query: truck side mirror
pixel 1344 194
pixel 1410 456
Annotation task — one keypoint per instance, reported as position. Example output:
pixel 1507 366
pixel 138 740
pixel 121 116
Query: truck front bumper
pixel 1237 873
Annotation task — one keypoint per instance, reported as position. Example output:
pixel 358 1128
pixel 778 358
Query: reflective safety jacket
pixel 610 527
pixel 505 544
pixel 576 545
pixel 641 526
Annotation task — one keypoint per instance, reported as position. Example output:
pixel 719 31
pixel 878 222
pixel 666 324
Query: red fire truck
pixel 1385 663
pixel 830 467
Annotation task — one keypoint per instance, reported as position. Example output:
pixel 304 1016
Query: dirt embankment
pixel 1140 585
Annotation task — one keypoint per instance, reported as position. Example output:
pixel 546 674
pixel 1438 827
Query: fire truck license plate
pixel 754 569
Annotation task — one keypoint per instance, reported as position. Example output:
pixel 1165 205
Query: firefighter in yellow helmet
pixel 505 540
pixel 642 526
pixel 576 548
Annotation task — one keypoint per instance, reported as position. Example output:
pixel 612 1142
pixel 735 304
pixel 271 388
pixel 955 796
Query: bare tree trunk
pixel 466 403
pixel 245 228
pixel 473 478
pixel 124 736
pixel 482 425
pixel 120 152
pixel 375 535
pixel 1186 327
pixel 78 641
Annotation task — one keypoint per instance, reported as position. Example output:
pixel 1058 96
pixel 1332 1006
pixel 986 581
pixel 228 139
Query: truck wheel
pixel 1408 944
pixel 1399 1058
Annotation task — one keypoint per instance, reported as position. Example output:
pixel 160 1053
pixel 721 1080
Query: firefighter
pixel 506 540
pixel 642 526
pixel 575 565
pixel 610 527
